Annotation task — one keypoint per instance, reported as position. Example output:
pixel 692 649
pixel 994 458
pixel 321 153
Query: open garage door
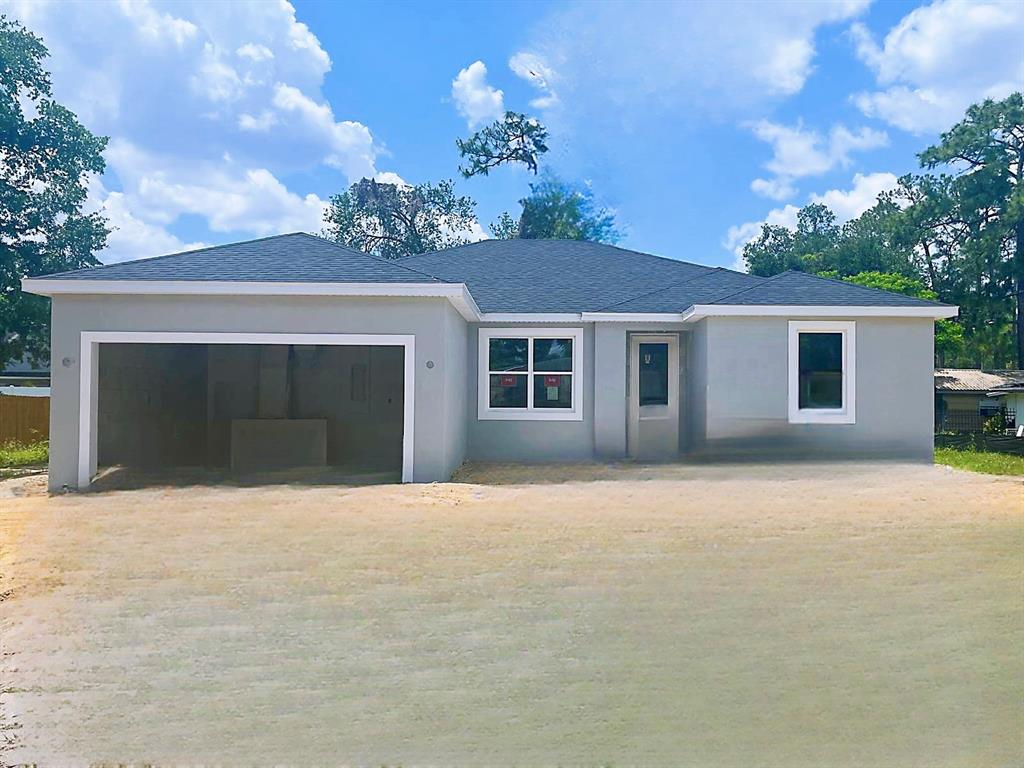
pixel 248 404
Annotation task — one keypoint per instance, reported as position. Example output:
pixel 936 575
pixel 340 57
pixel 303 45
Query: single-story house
pixel 1011 398
pixel 962 399
pixel 293 349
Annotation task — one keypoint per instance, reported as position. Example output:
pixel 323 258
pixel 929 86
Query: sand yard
pixel 843 615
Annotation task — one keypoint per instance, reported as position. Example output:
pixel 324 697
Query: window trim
pixel 848 413
pixel 484 410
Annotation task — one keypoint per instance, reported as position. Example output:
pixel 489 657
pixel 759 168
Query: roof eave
pixel 700 311
pixel 457 293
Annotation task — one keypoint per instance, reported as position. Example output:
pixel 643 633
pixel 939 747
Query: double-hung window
pixel 530 374
pixel 822 372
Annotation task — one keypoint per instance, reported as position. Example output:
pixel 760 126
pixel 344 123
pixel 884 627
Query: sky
pixel 694 122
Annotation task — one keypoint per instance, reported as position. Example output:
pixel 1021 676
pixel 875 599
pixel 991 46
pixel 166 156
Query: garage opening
pixel 335 412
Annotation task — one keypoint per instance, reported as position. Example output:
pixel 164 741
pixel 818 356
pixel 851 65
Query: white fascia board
pixel 700 311
pixel 457 293
pixel 528 317
pixel 633 317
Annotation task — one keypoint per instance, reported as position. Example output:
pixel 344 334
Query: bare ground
pixel 840 615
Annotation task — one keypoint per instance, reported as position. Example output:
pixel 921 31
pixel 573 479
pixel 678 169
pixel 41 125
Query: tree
pixel 986 151
pixel 46 156
pixel 949 335
pixel 561 211
pixel 515 138
pixel 395 220
pixel 505 228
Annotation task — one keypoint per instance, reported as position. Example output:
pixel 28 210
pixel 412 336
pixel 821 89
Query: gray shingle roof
pixel 553 275
pixel 799 288
pixel 557 276
pixel 291 258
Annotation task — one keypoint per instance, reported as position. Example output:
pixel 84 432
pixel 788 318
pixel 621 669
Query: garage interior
pixel 252 408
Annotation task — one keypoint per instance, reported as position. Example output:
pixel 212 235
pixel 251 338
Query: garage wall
pixel 437 418
pixel 745 380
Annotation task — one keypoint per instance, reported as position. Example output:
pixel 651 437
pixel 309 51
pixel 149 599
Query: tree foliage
pixel 959 232
pixel 561 211
pixel 394 220
pixel 505 228
pixel 46 156
pixel 513 139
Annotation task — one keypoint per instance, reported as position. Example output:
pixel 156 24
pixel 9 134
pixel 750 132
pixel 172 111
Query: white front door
pixel 653 396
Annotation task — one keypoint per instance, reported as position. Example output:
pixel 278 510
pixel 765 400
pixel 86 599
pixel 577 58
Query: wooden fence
pixel 24 419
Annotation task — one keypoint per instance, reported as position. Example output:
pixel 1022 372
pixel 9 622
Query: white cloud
pixel 130 236
pixel 537 72
pixel 474 98
pixel 209 106
pixel 851 203
pixel 156 26
pixel 350 144
pixel 616 59
pixel 845 204
pixel 798 153
pixel 254 52
pixel 941 58
pixel 233 198
pixel 777 188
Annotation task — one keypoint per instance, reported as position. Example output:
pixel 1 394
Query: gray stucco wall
pixel 745 412
pixel 439 416
pixel 526 441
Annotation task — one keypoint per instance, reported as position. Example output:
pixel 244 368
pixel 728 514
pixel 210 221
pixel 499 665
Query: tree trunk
pixel 1018 284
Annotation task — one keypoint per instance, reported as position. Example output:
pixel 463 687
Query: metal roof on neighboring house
pixel 975 380
pixel 505 276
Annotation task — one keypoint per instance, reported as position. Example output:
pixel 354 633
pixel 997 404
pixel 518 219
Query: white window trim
pixel 848 413
pixel 484 410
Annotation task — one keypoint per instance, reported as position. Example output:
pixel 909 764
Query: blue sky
pixel 693 121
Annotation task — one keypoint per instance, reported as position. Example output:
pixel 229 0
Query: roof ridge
pixel 664 288
pixel 561 240
pixel 150 259
pixel 744 290
pixel 374 257
pixel 865 287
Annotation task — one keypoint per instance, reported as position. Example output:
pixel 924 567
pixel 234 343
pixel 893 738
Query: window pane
pixel 508 354
pixel 654 374
pixel 821 370
pixel 508 390
pixel 552 391
pixel 552 354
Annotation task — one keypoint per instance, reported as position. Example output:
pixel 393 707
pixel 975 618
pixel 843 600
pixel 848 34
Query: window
pixel 653 373
pixel 822 378
pixel 530 374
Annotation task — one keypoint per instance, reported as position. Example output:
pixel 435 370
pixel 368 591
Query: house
pixel 962 399
pixel 295 350
pixel 1011 399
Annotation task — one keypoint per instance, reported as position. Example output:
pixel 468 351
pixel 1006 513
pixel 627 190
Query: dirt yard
pixel 702 616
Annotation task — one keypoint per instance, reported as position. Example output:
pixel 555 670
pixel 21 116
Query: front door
pixel 654 396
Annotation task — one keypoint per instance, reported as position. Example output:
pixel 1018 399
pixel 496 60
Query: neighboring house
pixel 297 350
pixel 962 399
pixel 1011 397
pixel 23 373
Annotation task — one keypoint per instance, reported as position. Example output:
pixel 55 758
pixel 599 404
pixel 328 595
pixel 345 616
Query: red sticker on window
pixel 552 381
pixel 508 381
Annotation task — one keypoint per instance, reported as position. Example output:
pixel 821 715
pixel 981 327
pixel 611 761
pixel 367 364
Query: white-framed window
pixel 530 374
pixel 822 372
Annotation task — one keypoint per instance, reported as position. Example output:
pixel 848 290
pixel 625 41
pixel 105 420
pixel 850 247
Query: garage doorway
pixel 246 403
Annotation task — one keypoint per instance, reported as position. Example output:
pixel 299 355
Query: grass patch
pixel 24 455
pixel 988 462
